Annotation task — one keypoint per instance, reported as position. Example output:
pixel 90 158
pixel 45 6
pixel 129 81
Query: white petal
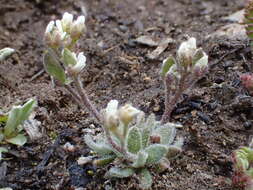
pixel 81 63
pixel 192 43
pixel 187 48
pixel 203 62
pixel 112 108
pixel 127 113
pixel 59 26
pixel 81 58
pixel 50 27
pixel 67 17
pixel 130 110
pixel 80 20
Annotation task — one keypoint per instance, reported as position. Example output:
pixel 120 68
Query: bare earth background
pixel 217 115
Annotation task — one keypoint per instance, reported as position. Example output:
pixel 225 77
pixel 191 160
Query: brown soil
pixel 217 115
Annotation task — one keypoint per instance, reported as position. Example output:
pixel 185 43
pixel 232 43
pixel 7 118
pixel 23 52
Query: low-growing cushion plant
pixel 11 130
pixel 133 143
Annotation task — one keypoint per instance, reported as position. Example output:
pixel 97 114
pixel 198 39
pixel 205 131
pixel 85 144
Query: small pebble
pixel 247 125
pixel 84 160
pixel 156 108
pixel 69 147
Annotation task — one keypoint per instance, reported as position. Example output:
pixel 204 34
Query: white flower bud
pixel 201 67
pixel 53 34
pixel 50 27
pixel 59 26
pixel 127 113
pixel 187 50
pixel 80 64
pixel 111 115
pixel 66 22
pixel 78 27
pixel 203 62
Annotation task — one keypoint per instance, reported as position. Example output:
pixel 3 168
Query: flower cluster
pixel 134 142
pixel 64 32
pixel 181 73
pixel 61 37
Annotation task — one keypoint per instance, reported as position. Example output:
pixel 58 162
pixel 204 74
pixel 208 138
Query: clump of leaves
pixel 133 143
pixel 243 170
pixel 181 73
pixel 11 130
pixel 5 53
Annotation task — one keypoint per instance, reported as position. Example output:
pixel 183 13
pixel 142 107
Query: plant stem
pixel 85 100
pixel 120 149
pixel 74 95
pixel 170 102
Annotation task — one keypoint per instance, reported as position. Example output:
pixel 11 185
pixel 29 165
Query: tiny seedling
pixel 133 143
pixel 11 125
pixel 182 73
pixel 243 170
pixel 5 53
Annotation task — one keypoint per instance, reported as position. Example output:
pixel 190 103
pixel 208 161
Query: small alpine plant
pixel 133 143
pixel 11 130
pixel 62 62
pixel 181 73
pixel 243 171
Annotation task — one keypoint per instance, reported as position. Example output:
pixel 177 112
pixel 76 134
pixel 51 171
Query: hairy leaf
pixel 100 148
pixel 167 65
pixel 17 116
pixel 68 57
pixel 146 131
pixel 107 159
pixel 173 151
pixel 145 137
pixel 145 179
pixel 133 140
pixel 119 172
pixel 197 56
pixel 167 133
pixel 53 68
pixel 163 165
pixel 141 159
pixel 19 140
pixel 155 153
pixel 3 118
